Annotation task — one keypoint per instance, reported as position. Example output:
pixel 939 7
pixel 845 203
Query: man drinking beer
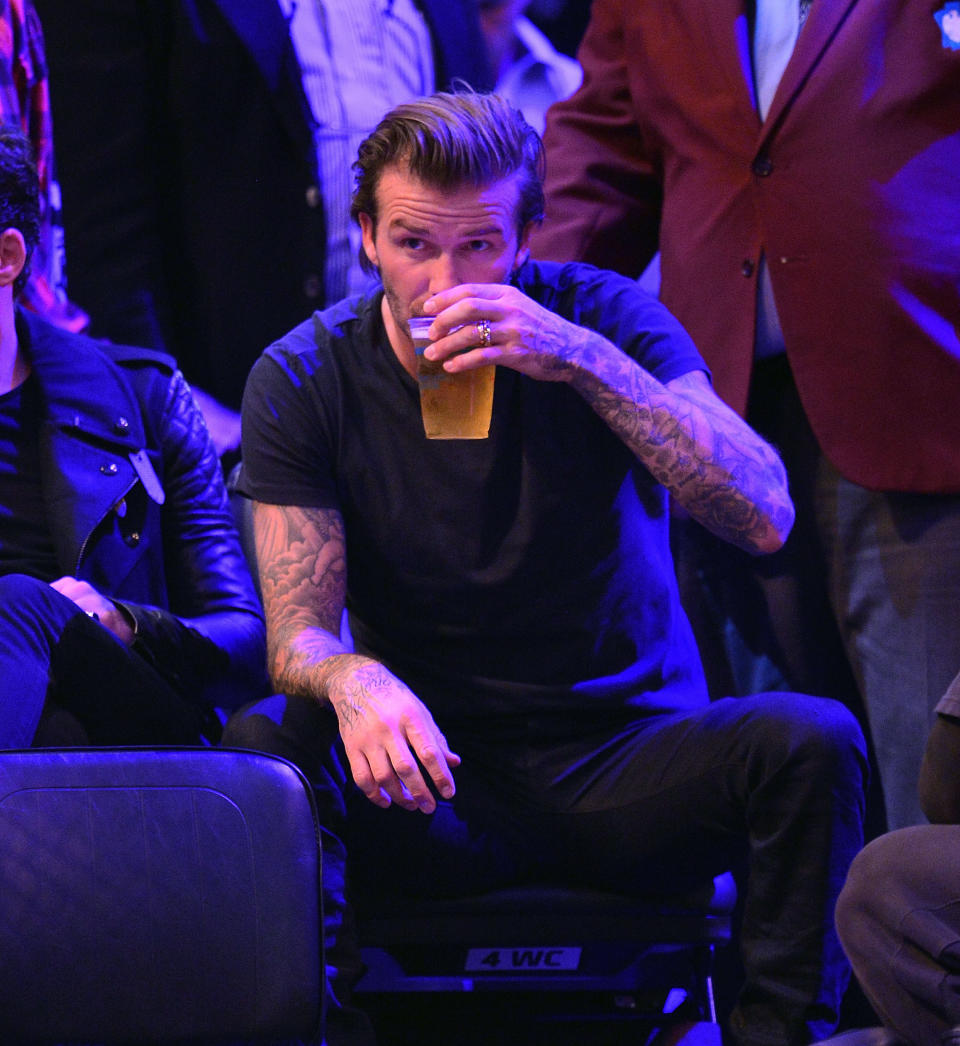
pixel 522 688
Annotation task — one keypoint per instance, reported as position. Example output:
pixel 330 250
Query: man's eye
pixel 412 243
pixel 476 246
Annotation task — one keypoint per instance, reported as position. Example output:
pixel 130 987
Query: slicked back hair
pixel 451 140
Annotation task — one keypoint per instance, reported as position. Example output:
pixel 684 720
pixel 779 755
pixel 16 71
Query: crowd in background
pixel 787 181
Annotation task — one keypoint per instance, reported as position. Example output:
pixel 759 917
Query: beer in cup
pixel 454 406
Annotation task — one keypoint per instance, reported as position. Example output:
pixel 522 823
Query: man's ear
pixel 13 256
pixel 367 231
pixel 523 246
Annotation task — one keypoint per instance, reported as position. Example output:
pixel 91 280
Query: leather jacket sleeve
pixel 211 641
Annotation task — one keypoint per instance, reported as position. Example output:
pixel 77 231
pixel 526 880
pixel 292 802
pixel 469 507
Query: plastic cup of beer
pixel 453 406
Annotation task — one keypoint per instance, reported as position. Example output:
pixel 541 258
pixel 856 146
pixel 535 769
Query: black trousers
pixel 899 920
pixel 625 805
pixel 62 669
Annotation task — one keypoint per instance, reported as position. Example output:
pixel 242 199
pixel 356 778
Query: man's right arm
pixel 388 733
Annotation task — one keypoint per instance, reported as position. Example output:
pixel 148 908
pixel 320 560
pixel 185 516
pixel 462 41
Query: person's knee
pixel 21 594
pixel 832 728
pixel 814 730
pixel 258 726
pixel 302 732
pixel 875 875
pixel 868 871
pixel 295 728
pixel 36 612
pixel 809 752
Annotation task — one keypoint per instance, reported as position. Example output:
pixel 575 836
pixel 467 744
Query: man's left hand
pixel 96 605
pixel 522 334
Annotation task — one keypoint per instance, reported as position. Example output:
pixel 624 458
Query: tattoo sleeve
pixel 301 558
pixel 710 460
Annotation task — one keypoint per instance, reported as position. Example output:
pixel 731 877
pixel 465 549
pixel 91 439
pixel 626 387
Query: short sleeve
pixel 288 457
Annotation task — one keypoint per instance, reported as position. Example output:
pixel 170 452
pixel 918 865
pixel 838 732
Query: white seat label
pixel 520 960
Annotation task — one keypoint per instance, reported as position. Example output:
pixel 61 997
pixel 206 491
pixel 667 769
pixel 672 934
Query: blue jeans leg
pixel 50 650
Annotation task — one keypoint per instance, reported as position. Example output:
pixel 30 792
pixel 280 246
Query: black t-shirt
pixel 526 572
pixel 26 546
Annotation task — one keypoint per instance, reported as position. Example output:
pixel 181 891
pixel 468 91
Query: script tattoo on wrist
pixel 351 681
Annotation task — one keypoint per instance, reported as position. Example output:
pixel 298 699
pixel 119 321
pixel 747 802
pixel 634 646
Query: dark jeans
pixel 899 920
pixel 651 803
pixel 59 664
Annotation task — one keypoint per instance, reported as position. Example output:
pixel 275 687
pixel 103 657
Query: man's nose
pixel 444 274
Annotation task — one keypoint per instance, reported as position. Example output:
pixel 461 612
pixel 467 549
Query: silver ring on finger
pixel 483 333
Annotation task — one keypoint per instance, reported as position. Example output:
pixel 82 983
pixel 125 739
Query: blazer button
pixel 312 286
pixel 762 166
pixel 313 196
pixel 133 539
pixel 747 267
pixel 109 468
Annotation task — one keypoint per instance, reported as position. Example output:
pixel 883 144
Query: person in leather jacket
pixel 127 613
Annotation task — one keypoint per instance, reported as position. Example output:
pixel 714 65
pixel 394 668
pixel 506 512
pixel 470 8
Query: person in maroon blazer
pixel 813 253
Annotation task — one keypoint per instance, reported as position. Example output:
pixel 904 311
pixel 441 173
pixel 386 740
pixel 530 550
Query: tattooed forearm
pixel 713 464
pixel 301 555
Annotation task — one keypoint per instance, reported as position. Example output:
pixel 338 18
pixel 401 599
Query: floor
pixel 479 1019
pixel 464 1020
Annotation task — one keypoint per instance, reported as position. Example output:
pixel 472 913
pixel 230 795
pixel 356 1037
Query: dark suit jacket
pixel 851 187
pixel 193 221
